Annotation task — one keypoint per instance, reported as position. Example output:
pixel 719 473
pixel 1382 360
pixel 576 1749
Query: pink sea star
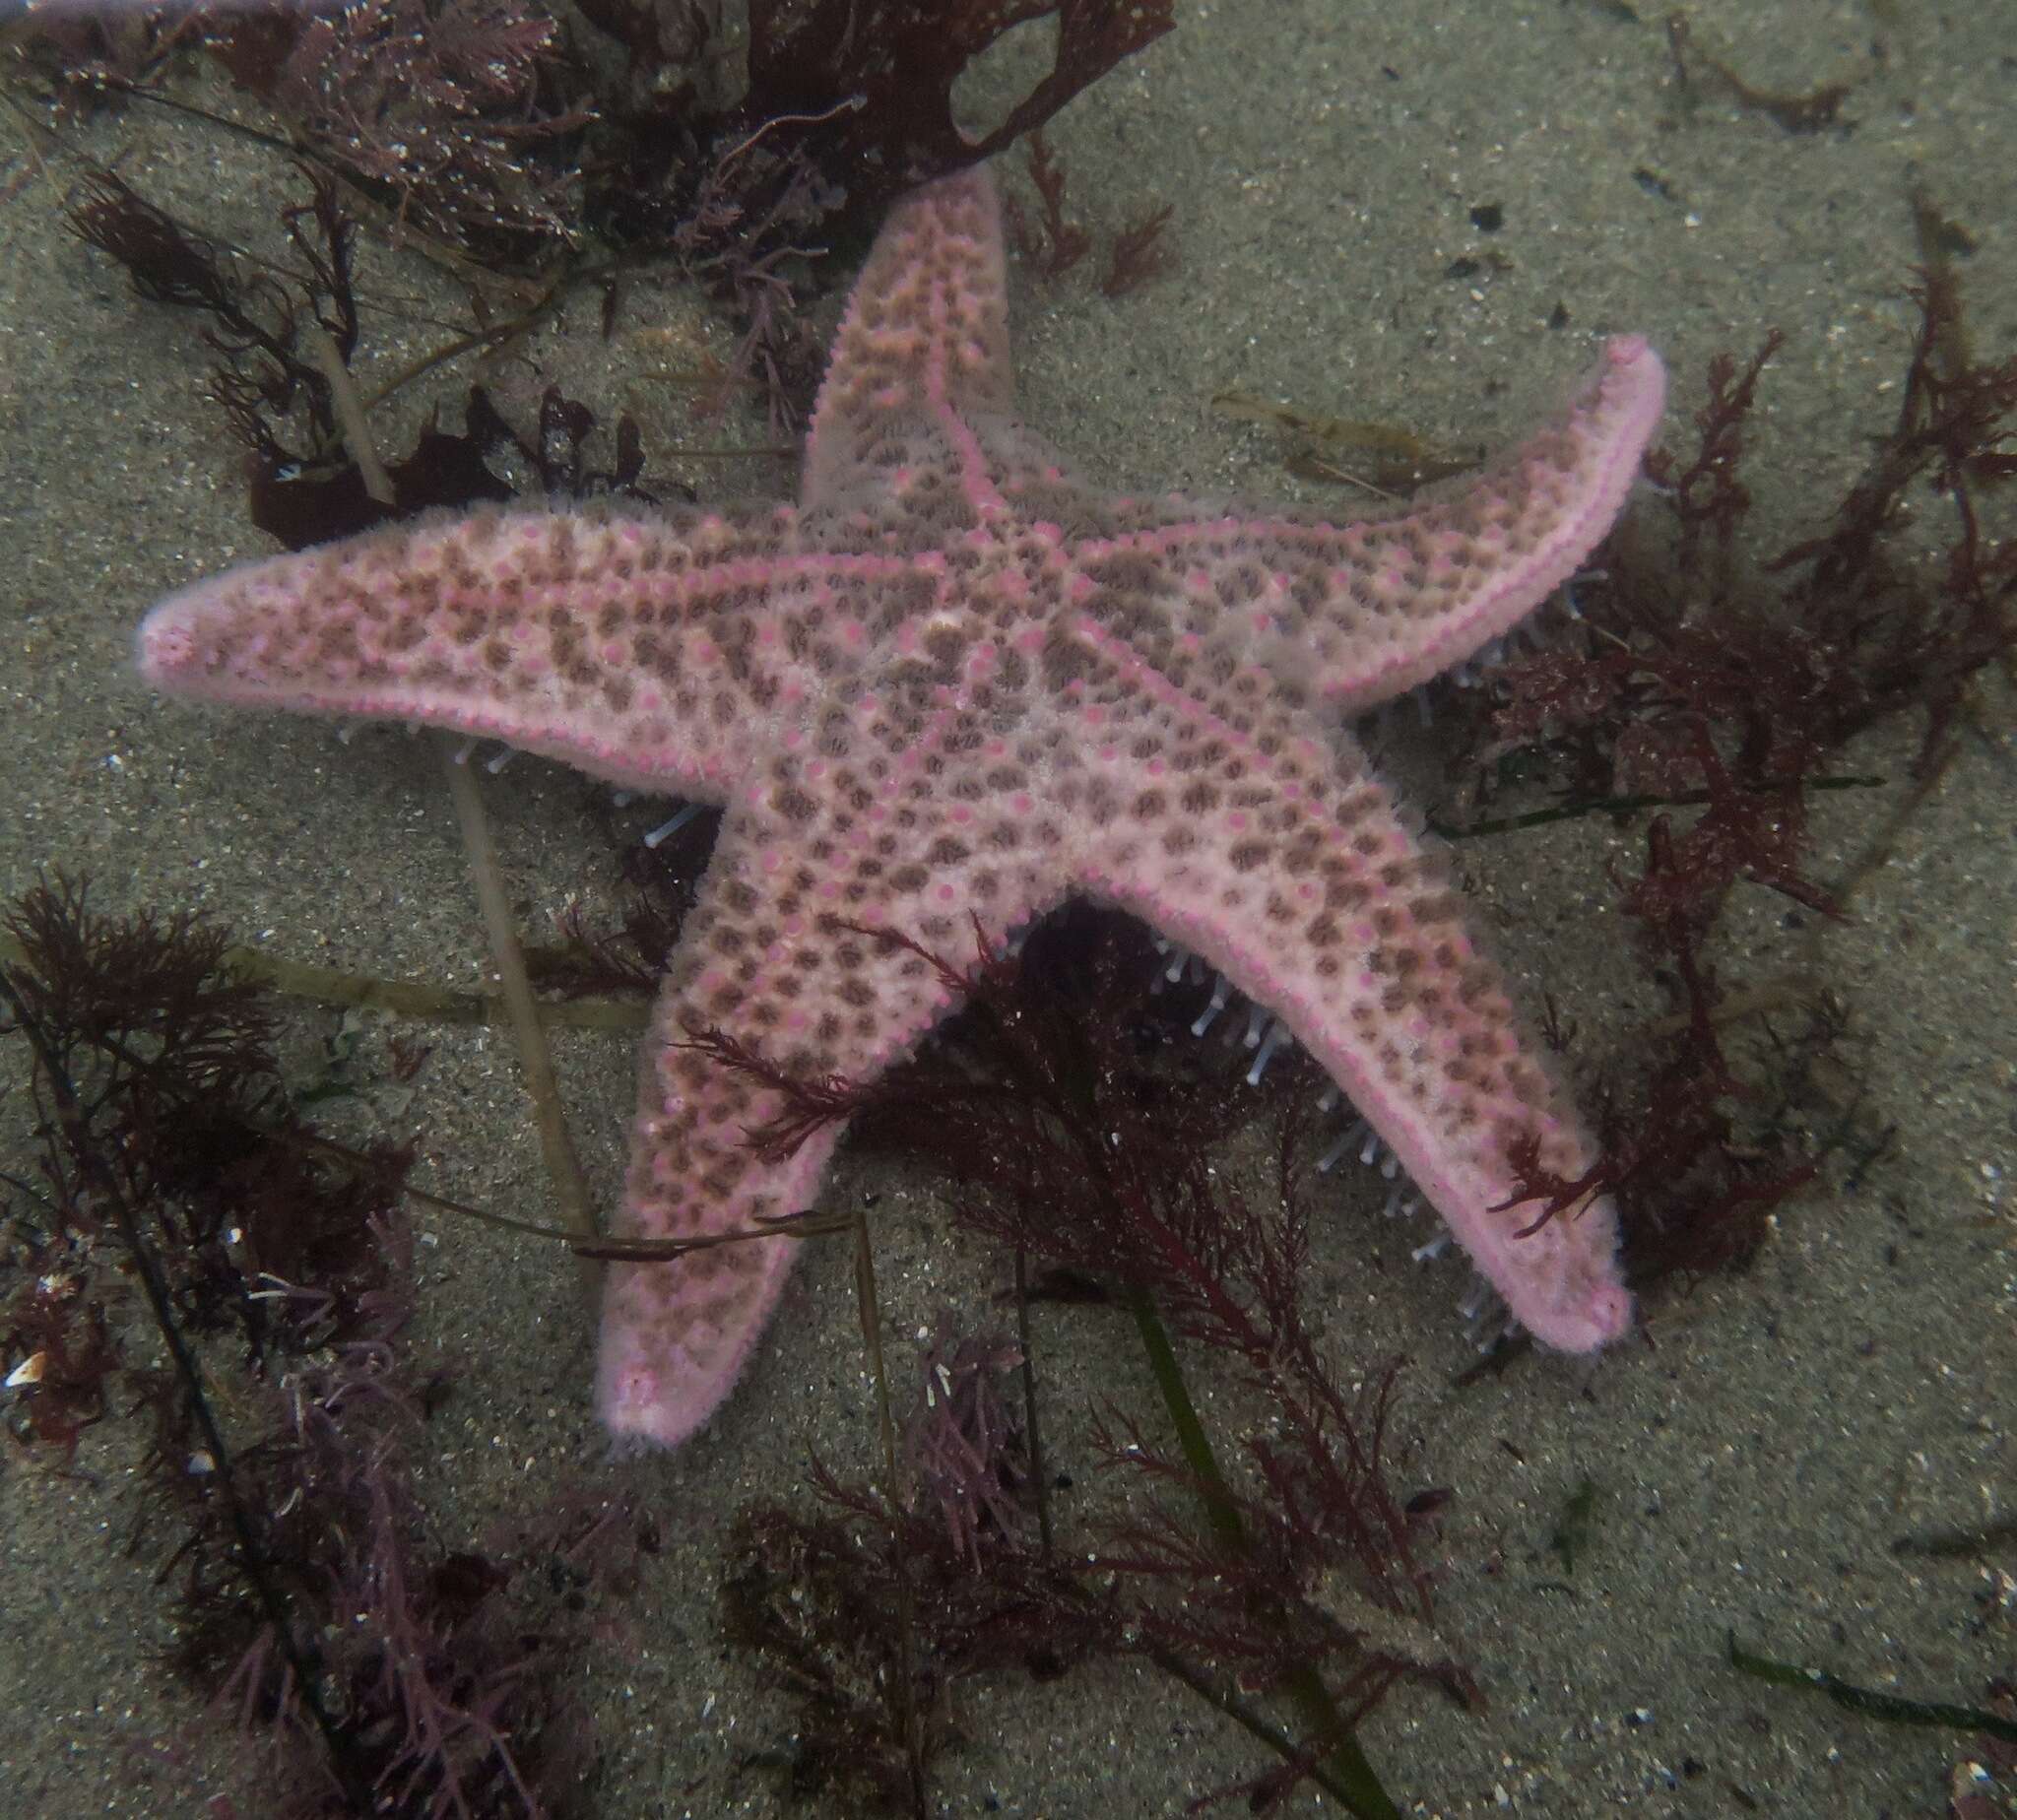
pixel 955 680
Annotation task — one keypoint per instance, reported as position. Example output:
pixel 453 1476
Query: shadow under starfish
pixel 956 682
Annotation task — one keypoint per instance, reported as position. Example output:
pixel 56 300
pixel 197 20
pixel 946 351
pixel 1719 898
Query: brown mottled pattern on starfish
pixel 956 681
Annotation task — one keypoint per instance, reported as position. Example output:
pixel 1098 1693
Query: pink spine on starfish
pixel 921 358
pixel 1300 883
pixel 754 962
pixel 1432 585
pixel 593 638
pixel 1367 611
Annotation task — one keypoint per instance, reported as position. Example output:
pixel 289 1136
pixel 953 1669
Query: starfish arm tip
pixel 1562 1284
pixel 1633 385
pixel 639 1403
pixel 670 1353
pixel 1597 1319
pixel 160 646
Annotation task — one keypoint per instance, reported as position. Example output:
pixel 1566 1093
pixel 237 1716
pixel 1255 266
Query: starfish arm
pixel 649 651
pixel 915 414
pixel 775 957
pixel 1369 609
pixel 1220 818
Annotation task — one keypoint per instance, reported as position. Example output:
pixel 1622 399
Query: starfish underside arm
pixel 1220 818
pixel 649 651
pixel 1365 612
pixel 771 957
